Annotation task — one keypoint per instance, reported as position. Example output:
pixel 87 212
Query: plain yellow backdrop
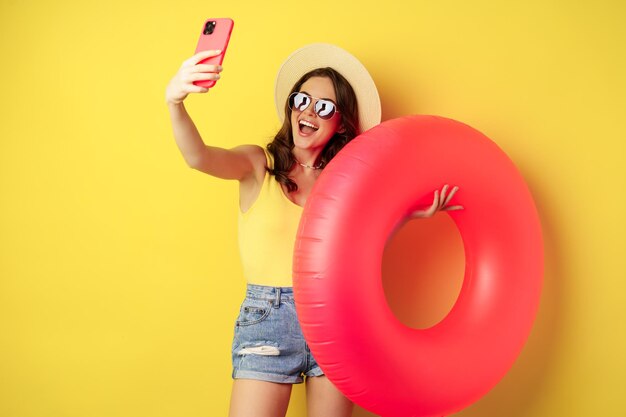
pixel 120 276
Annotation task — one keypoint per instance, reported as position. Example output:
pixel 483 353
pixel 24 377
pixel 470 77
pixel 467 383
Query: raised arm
pixel 237 163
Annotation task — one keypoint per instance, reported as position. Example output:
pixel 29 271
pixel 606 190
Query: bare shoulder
pixel 254 152
pixel 256 155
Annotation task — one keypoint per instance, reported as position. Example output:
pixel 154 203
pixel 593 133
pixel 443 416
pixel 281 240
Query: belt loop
pixel 277 299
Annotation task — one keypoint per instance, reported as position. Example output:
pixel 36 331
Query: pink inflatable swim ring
pixel 363 196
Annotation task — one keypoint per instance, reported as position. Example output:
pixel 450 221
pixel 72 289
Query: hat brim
pixel 320 55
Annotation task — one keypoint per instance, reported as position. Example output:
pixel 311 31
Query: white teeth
pixel 309 124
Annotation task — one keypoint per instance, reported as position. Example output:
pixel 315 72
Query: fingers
pixel 436 199
pixel 433 208
pixel 440 202
pixel 200 76
pixel 201 56
pixel 192 88
pixel 449 197
pixel 190 72
pixel 444 190
pixel 200 72
pixel 207 68
pixel 446 197
pixel 436 203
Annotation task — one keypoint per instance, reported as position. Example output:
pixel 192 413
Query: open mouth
pixel 307 127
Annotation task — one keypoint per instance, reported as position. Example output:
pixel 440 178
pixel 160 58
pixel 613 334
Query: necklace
pixel 309 166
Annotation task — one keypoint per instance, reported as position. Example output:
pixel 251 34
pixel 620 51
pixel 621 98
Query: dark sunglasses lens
pixel 325 109
pixel 299 101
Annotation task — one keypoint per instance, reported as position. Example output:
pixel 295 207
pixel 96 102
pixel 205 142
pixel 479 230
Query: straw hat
pixel 325 55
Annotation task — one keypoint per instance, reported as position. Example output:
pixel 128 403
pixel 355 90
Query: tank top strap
pixel 269 158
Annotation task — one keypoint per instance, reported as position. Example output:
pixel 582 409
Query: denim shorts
pixel 268 344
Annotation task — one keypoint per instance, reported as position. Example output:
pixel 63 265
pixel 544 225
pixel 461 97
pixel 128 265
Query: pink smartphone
pixel 215 35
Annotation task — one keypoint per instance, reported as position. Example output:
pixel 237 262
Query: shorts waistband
pixel 274 294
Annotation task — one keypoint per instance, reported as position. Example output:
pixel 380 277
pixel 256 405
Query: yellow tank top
pixel 267 234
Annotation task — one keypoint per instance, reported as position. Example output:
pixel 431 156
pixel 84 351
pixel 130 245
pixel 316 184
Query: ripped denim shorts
pixel 268 344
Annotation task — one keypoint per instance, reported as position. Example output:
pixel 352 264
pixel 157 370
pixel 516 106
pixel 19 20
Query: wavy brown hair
pixel 281 146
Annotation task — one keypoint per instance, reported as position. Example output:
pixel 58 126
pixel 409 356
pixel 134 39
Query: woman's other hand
pixel 440 202
pixel 182 84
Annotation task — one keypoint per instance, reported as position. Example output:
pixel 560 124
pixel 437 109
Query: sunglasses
pixel 324 108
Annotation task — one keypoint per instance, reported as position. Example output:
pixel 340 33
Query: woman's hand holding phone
pixel 190 71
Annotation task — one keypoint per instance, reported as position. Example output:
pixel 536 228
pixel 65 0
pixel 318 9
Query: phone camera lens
pixel 209 27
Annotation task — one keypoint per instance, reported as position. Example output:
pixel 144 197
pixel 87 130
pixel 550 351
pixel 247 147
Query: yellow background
pixel 120 276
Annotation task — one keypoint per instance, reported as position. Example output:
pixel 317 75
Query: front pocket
pixel 253 312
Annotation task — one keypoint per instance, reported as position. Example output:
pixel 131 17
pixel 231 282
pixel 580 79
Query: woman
pixel 322 112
